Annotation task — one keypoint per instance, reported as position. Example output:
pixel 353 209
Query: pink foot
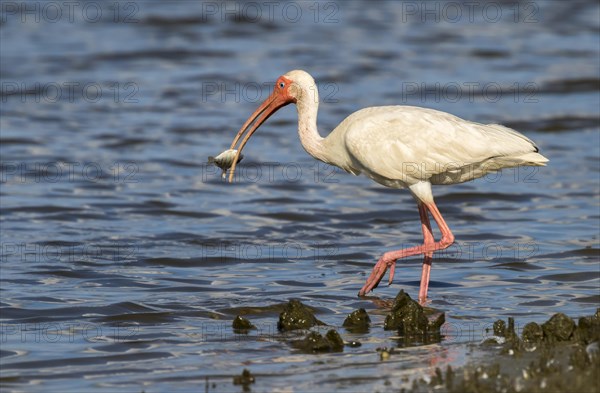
pixel 429 246
pixel 377 274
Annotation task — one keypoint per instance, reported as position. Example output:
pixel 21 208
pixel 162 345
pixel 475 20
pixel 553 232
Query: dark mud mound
pixel 245 379
pixel 358 321
pixel 408 318
pixel 314 342
pixel 242 325
pixel 297 316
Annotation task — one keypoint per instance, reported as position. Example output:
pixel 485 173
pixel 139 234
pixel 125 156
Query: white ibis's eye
pixel 281 85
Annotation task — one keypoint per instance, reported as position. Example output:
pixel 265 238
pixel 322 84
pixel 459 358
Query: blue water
pixel 125 257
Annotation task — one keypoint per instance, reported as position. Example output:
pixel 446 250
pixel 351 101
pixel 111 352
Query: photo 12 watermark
pixel 227 251
pixel 272 172
pixel 450 331
pixel 269 12
pixel 69 91
pixel 15 172
pixel 466 91
pixel 317 172
pixel 469 11
pixel 254 92
pixel 326 12
pixel 66 332
pixel 475 251
pixel 69 11
pixel 407 92
pixel 23 252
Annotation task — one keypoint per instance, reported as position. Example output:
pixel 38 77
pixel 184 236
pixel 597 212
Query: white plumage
pixel 399 146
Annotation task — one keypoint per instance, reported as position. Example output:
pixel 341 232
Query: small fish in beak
pixel 225 160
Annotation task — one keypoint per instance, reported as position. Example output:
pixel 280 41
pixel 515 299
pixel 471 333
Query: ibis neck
pixel 311 140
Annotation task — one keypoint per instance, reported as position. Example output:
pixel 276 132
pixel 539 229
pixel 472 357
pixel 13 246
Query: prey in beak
pixel 280 97
pixel 225 160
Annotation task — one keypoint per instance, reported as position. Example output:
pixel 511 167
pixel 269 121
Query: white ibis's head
pixel 290 88
pixel 300 86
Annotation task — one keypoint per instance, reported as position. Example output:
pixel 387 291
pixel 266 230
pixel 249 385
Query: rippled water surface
pixel 125 257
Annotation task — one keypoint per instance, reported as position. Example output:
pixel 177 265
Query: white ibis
pixel 399 147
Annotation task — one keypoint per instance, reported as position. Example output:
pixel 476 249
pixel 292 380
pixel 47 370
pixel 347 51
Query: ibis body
pixel 399 147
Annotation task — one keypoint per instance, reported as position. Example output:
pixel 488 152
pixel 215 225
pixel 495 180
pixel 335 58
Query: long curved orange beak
pixel 275 101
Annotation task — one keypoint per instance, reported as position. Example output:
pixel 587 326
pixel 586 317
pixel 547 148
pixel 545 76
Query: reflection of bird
pixel 399 146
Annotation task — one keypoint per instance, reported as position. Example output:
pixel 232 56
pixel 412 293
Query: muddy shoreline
pixel 561 354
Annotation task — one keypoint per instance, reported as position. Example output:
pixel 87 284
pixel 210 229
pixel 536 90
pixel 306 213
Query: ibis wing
pixel 410 144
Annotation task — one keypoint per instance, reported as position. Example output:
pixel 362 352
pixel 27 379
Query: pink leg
pixel 389 258
pixel 427 241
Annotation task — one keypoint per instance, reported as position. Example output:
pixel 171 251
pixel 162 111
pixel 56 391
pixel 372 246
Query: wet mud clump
pixel 297 316
pixel 385 352
pixel 504 334
pixel 242 325
pixel 558 328
pixel 245 379
pixel 557 356
pixel 314 342
pixel 358 321
pixel 532 333
pixel 409 319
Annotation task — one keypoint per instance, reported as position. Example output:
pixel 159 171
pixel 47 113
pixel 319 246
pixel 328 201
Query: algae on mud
pixel 245 379
pixel 408 318
pixel 242 325
pixel 297 316
pixel 314 342
pixel 558 356
pixel 532 333
pixel 558 328
pixel 357 321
